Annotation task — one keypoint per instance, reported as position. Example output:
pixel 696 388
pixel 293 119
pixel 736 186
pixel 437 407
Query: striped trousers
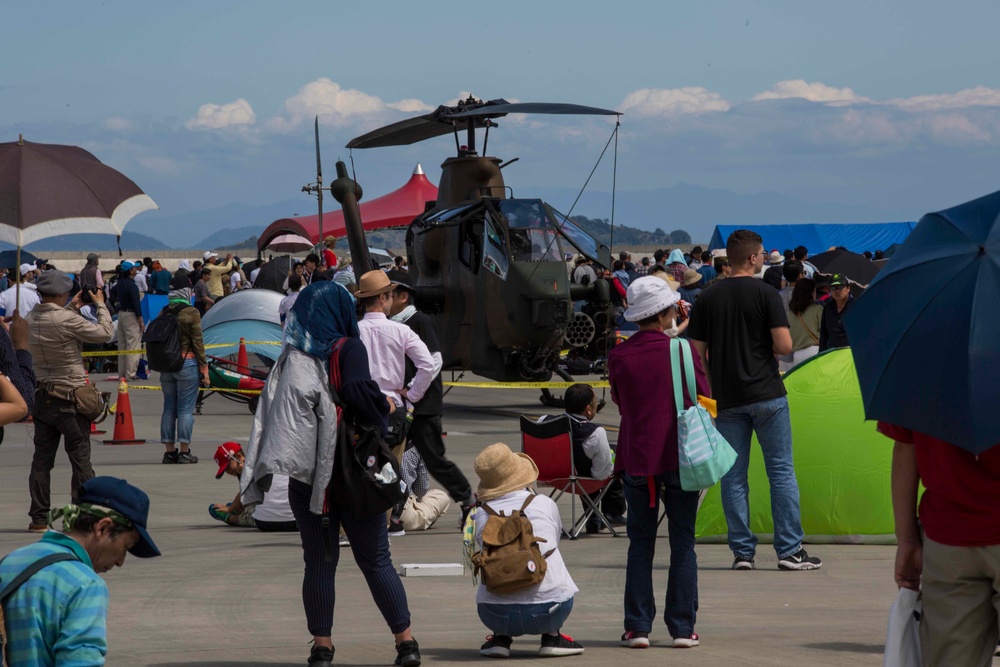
pixel 370 545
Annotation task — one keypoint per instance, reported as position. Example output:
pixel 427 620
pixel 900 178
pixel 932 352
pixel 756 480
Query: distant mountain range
pixel 682 207
pixel 96 242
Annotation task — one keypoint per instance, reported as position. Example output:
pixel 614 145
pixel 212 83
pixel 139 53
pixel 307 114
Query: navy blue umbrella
pixel 8 259
pixel 926 333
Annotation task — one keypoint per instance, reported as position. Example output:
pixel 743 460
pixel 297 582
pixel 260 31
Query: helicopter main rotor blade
pixel 403 133
pixel 497 110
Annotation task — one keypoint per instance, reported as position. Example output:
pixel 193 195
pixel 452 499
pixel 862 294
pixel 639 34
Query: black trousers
pixel 613 503
pixel 56 418
pixel 425 434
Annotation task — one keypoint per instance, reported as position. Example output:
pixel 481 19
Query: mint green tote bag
pixel 704 454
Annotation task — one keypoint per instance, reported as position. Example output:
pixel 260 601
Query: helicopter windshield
pixel 583 241
pixel 547 228
pixel 533 235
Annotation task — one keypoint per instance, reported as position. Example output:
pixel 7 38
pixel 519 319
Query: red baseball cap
pixel 224 454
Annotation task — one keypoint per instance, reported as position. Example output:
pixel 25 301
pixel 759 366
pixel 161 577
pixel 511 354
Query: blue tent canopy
pixel 856 237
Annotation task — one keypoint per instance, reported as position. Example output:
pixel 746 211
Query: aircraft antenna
pixel 614 189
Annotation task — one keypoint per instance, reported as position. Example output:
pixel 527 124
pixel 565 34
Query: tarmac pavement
pixel 222 596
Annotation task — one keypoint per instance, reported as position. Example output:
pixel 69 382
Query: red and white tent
pixel 396 209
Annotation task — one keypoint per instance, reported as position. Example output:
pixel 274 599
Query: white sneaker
pixel 686 642
pixel 635 639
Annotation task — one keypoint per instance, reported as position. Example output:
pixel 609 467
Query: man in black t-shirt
pixel 425 431
pixel 738 326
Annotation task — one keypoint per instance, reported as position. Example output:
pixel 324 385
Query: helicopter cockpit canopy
pixel 534 232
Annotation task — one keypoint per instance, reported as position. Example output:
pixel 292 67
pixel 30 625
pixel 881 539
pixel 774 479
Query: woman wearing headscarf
pixel 294 434
pixel 676 265
pixel 180 388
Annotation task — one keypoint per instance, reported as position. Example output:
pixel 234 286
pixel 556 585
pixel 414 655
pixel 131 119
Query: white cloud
pixel 813 92
pixel 337 106
pixel 970 97
pixel 223 116
pixel 654 102
pixel 119 124
pixel 411 105
pixel 956 128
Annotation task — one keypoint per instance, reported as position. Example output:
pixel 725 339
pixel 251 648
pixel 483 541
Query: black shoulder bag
pixel 366 477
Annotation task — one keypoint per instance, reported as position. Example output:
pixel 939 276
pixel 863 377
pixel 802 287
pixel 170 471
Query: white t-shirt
pixel 275 506
pixel 234 281
pixel 253 275
pixel 557 586
pixel 140 282
pixel 285 307
pixel 9 301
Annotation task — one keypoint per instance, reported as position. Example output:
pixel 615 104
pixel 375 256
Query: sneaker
pixel 170 457
pixel 686 642
pixel 187 457
pixel 407 654
pixel 344 542
pixel 35 527
pixel 635 639
pixel 321 656
pixel 496 646
pixel 593 528
pixel 800 560
pixel 396 528
pixel 616 520
pixel 744 563
pixel 558 645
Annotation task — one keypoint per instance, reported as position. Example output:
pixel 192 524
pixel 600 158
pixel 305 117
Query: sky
pixel 892 106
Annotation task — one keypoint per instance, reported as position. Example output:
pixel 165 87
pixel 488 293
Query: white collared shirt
pixel 388 344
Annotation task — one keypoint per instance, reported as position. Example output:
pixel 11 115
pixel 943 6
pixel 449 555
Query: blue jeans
pixel 682 580
pixel 514 620
pixel 180 391
pixel 770 420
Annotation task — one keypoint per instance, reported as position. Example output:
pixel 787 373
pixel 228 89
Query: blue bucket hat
pixel 129 501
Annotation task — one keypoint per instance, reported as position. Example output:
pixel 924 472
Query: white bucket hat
pixel 648 296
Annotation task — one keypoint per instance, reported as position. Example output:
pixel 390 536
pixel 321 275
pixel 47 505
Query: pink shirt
pixel 388 344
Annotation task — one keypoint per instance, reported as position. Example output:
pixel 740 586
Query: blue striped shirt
pixel 59 615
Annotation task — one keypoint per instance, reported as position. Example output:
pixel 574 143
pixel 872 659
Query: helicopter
pixel 490 268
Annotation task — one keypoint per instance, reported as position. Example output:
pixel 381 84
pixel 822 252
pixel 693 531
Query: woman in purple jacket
pixel 642 387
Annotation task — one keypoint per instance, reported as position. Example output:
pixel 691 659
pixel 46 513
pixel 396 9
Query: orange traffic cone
pixel 241 357
pixel 124 432
pixel 93 427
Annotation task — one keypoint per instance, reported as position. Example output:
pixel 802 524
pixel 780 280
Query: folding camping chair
pixel 550 446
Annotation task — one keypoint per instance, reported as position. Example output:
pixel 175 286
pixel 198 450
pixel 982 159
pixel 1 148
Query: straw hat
pixel 691 277
pixel 330 241
pixel 501 471
pixel 374 283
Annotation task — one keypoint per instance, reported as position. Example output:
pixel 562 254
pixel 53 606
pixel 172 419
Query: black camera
pixel 87 294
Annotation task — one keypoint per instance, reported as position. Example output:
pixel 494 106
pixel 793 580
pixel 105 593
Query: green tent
pixel 842 463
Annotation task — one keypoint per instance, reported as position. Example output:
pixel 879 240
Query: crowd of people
pixel 362 348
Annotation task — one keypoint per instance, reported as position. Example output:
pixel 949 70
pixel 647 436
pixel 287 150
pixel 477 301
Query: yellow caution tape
pixel 151 387
pixel 213 346
pixel 525 385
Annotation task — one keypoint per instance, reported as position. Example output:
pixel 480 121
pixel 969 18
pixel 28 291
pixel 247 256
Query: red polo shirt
pixel 961 504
